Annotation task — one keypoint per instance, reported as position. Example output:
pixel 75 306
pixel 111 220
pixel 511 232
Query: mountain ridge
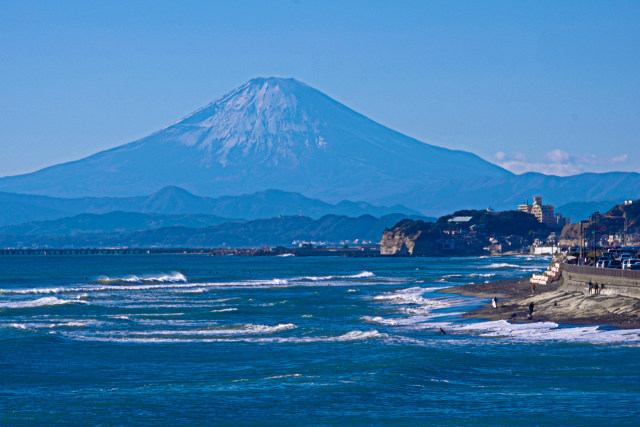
pixel 282 230
pixel 21 208
pixel 275 133
pixel 268 133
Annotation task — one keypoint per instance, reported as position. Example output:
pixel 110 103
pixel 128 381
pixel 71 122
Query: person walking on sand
pixel 590 287
pixel 531 308
pixel 596 289
pixel 494 302
pixel 533 288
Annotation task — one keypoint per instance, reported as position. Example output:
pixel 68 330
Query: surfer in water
pixel 442 332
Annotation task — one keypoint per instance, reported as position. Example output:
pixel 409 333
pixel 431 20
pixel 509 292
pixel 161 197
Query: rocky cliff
pixel 398 243
pixel 409 238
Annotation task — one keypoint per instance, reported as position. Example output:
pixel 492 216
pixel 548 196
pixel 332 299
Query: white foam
pixel 543 332
pixel 40 302
pixel 361 275
pixel 505 266
pixel 156 314
pixel 34 291
pixel 437 288
pixel 222 310
pixel 182 336
pixel 224 299
pixel 502 265
pixel 18 326
pixel 413 296
pixel 121 285
pixel 359 335
pixel 395 321
pixel 172 277
pixel 317 278
pixel 191 291
pixel 248 329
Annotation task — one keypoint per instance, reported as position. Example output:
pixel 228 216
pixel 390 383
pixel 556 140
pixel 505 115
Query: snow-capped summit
pixel 270 133
pixel 268 119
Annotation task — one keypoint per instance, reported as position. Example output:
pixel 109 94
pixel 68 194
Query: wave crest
pixel 173 277
pixel 40 302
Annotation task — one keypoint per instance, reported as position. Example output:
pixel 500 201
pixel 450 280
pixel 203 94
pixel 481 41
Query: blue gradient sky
pixel 549 86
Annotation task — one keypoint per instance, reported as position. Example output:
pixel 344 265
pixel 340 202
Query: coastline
pixel 551 303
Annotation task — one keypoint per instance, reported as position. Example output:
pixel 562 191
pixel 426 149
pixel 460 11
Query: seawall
pixel 610 281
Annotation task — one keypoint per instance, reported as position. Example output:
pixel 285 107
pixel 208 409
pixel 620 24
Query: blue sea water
pixel 193 339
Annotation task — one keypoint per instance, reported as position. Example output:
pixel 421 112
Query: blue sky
pixel 550 86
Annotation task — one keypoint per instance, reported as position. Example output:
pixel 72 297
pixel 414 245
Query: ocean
pixel 194 339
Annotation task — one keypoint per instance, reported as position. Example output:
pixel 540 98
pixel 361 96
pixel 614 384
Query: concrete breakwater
pixel 610 281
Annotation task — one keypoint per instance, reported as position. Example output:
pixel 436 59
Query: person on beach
pixel 590 287
pixel 494 302
pixel 596 289
pixel 531 309
pixel 533 288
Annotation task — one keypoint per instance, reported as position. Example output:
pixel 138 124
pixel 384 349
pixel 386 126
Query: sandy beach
pixel 551 303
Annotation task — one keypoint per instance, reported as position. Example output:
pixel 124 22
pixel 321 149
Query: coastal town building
pixel 543 213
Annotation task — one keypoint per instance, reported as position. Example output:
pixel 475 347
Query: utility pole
pixel 581 241
pixel 624 236
pixel 595 234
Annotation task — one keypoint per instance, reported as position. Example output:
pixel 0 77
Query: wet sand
pixel 551 303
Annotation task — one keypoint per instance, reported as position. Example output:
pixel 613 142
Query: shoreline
pixel 551 303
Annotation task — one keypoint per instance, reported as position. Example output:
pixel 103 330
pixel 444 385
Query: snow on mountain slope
pixel 270 133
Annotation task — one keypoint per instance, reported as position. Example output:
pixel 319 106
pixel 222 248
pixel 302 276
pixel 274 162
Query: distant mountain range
pixel 579 211
pixel 191 210
pixel 112 222
pixel 274 231
pixel 280 134
pixel 506 192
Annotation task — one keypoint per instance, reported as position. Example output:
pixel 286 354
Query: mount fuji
pixel 270 133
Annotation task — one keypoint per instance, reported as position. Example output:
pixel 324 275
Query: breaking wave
pixel 40 302
pixel 508 266
pixel 501 265
pixel 177 280
pixel 237 335
pixel 413 296
pixel 361 275
pixel 173 277
pixel 543 332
